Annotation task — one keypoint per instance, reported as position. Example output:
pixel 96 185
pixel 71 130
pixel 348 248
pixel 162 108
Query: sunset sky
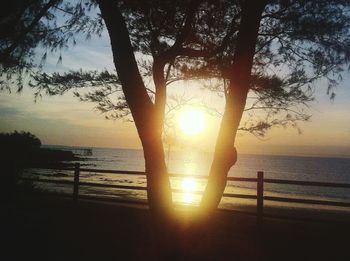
pixel 66 121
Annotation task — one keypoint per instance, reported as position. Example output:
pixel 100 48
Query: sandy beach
pixel 55 228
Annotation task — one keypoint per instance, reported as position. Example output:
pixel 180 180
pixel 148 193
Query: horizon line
pixel 345 155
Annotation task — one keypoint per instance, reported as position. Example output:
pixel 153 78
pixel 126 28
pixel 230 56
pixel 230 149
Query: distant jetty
pixel 82 151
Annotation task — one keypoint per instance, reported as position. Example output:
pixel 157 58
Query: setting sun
pixel 192 122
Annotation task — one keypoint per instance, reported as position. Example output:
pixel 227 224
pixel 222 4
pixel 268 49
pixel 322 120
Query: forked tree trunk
pixel 144 112
pixel 147 116
pixel 225 154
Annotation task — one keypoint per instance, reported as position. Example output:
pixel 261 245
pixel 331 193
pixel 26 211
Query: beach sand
pixel 55 228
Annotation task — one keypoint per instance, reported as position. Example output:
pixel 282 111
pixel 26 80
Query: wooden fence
pixel 259 180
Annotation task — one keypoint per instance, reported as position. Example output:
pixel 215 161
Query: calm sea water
pixel 198 163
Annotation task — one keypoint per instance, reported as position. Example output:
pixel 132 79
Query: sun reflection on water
pixel 188 185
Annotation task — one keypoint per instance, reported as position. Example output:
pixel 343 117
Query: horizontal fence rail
pixel 307 183
pixel 260 180
pixel 308 201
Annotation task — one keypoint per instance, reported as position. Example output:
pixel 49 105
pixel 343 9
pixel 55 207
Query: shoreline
pixel 247 205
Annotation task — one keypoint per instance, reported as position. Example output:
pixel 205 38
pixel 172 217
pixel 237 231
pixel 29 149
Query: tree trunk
pixel 225 154
pixel 144 112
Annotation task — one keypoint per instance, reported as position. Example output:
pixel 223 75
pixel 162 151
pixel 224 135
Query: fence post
pixel 260 198
pixel 76 181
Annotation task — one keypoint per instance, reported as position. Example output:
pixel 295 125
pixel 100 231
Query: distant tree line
pixel 20 150
pixel 18 143
pixel 23 149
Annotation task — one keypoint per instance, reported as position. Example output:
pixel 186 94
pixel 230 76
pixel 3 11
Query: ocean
pixel 198 163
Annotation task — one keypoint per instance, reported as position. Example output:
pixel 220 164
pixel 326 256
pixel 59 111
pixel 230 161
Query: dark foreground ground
pixel 57 229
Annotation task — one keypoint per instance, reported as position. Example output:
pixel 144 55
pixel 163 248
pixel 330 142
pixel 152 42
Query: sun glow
pixel 192 122
pixel 188 185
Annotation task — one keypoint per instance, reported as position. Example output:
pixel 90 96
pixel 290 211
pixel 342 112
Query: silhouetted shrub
pixel 19 140
pixel 17 150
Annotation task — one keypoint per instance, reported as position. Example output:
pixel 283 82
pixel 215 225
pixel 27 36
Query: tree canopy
pixel 299 42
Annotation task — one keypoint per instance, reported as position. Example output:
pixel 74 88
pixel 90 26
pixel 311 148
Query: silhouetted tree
pixel 19 141
pixel 16 150
pixel 275 51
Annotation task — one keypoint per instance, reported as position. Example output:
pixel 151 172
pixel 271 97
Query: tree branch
pixel 6 53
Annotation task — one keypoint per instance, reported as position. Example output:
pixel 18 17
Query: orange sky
pixel 64 120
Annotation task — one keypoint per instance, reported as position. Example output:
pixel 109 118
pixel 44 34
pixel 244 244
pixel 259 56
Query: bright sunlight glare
pixel 188 185
pixel 192 122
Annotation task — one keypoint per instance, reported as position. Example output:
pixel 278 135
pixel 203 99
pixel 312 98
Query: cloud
pixel 10 112
pixel 93 54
